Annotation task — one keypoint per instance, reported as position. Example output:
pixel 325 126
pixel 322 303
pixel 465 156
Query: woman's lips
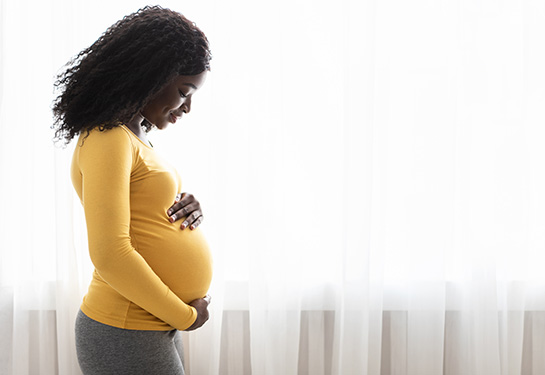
pixel 173 118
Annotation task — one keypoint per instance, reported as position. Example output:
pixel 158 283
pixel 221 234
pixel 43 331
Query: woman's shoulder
pixel 117 136
pixel 105 146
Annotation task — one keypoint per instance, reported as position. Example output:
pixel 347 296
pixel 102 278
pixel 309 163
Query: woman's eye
pixel 182 94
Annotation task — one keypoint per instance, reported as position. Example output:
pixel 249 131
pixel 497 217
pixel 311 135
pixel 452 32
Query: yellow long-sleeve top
pixel 147 269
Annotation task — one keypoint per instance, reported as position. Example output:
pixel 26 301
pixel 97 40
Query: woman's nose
pixel 186 106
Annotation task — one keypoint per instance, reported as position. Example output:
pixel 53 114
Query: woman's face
pixel 173 100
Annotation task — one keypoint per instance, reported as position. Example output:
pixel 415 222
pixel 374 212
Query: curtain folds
pixel 371 175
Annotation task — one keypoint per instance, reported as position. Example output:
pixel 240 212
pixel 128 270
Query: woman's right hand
pixel 201 305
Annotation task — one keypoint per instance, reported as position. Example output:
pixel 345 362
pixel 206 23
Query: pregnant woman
pixel 152 263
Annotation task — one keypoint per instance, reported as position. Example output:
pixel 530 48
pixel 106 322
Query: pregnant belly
pixel 181 258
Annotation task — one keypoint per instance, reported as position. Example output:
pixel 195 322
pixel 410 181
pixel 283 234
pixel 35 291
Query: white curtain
pixel 371 174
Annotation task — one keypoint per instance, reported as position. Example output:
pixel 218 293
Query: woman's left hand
pixel 186 206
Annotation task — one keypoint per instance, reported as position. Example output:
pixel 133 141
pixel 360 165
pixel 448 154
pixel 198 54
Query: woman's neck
pixel 135 125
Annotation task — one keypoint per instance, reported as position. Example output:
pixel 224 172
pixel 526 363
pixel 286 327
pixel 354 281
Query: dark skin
pixel 168 107
pixel 185 205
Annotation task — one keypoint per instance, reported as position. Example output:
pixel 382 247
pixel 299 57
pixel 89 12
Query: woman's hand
pixel 186 206
pixel 201 305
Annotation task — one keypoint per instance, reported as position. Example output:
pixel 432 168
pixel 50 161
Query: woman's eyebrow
pixel 190 85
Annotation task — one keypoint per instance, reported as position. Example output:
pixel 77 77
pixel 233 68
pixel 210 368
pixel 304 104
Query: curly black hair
pixel 106 84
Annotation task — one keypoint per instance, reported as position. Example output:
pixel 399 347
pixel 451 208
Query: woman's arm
pixel 106 161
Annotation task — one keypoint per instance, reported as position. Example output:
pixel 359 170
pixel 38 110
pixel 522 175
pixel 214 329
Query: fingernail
pixel 172 218
pixel 192 227
pixel 169 212
pixel 183 226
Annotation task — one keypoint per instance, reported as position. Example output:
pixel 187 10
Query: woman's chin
pixel 162 126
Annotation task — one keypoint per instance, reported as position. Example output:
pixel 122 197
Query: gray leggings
pixel 103 350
